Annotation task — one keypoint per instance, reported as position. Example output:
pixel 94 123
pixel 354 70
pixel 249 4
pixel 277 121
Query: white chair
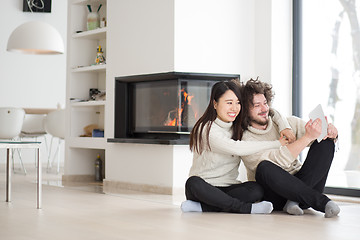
pixel 33 127
pixel 11 121
pixel 54 123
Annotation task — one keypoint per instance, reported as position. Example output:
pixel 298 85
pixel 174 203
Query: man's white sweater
pixel 280 156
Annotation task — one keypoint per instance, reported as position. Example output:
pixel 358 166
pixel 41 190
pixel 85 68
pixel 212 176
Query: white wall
pixel 281 55
pixel 262 40
pixel 31 81
pixel 273 49
pixel 215 36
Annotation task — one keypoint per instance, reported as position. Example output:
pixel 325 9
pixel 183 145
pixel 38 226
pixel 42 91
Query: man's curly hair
pixel 251 88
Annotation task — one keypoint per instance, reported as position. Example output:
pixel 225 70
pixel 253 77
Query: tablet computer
pixel 318 112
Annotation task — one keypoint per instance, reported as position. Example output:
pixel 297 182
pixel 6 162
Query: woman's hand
pixel 288 134
pixel 283 141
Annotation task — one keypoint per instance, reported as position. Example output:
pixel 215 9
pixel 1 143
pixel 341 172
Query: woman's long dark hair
pixel 209 116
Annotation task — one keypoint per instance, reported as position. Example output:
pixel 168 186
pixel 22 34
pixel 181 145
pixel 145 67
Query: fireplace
pixel 161 108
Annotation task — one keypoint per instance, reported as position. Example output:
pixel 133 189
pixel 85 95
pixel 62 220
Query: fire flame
pixel 174 116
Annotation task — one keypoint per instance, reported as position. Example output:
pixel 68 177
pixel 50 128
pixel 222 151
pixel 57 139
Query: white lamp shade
pixel 35 38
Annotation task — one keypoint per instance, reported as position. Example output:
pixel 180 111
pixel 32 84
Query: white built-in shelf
pixel 96 34
pixel 82 75
pixel 87 142
pixel 88 104
pixel 92 68
pixel 85 2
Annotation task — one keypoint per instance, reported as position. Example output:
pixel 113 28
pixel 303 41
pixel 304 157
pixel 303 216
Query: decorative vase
pixel 93 20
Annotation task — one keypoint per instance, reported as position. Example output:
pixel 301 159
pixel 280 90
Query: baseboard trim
pixel 78 178
pixel 117 187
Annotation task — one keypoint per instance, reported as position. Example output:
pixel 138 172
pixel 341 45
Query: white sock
pixel 261 207
pixel 293 208
pixel 331 209
pixel 191 206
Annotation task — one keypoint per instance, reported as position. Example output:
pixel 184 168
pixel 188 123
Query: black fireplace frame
pixel 122 104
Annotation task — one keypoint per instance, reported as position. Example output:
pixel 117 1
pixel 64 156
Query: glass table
pixel 9 146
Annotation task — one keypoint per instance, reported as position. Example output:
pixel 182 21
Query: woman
pixel 215 141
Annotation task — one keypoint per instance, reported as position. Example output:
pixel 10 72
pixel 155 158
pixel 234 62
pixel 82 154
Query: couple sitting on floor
pixel 239 124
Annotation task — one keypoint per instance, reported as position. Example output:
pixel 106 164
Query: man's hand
pixel 312 132
pixel 332 132
pixel 288 134
pixel 313 129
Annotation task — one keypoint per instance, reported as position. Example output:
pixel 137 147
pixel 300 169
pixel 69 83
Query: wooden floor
pixel 82 211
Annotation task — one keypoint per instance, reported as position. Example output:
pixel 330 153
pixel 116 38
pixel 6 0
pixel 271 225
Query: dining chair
pixel 33 127
pixel 54 123
pixel 11 121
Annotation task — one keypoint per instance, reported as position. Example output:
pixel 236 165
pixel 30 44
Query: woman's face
pixel 227 107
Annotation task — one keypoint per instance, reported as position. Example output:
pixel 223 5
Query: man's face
pixel 259 112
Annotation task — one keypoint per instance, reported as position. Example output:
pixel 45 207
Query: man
pixel 288 184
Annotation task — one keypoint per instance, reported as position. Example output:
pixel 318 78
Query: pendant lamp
pixel 35 38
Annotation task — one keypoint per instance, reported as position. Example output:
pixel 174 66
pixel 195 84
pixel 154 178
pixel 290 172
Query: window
pixel 327 71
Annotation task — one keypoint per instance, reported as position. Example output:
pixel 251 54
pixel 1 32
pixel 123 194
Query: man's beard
pixel 262 122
